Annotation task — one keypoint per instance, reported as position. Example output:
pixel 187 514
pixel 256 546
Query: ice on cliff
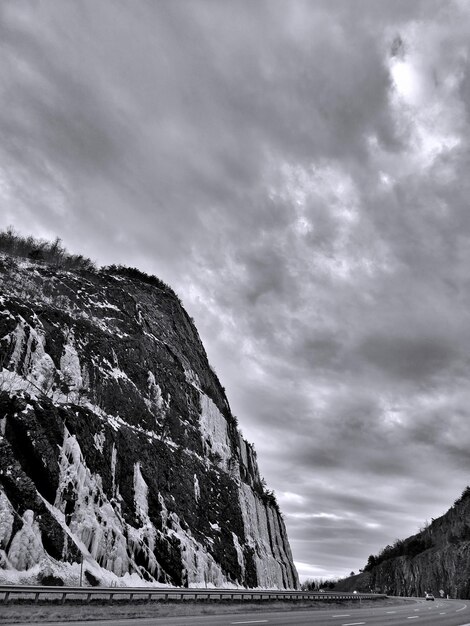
pixel 100 528
pixel 50 357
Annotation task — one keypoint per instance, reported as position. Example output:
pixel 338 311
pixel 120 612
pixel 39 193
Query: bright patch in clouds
pixel 331 516
pixel 287 496
pixel 405 80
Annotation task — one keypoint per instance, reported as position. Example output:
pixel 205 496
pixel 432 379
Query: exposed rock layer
pixel 117 441
pixel 436 560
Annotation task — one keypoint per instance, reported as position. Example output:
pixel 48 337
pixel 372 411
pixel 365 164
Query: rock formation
pixel 436 560
pixel 117 443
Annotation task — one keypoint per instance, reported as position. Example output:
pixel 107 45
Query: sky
pixel 298 172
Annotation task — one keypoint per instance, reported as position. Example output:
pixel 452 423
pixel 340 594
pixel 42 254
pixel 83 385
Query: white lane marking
pixel 345 615
pixel 442 613
pixel 353 624
pixel 414 617
pixel 390 612
pixel 462 609
pixel 252 621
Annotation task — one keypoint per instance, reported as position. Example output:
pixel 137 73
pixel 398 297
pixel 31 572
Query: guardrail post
pixel 36 597
pixel 7 597
pixel 64 595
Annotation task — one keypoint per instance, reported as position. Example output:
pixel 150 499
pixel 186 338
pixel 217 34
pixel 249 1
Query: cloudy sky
pixel 299 173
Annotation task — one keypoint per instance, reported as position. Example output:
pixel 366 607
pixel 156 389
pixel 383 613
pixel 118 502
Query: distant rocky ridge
pixel 435 560
pixel 117 442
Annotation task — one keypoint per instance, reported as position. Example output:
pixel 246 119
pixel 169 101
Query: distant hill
pixel 435 560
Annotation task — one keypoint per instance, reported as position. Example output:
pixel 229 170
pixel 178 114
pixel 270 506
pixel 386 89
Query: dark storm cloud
pixel 408 357
pixel 122 116
pixel 304 187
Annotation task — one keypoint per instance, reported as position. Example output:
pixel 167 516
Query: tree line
pixel 53 253
pixel 48 252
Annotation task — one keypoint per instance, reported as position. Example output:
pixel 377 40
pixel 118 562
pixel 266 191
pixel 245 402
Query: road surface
pixel 437 613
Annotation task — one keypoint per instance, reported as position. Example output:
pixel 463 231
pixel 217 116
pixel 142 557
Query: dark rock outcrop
pixel 117 443
pixel 436 560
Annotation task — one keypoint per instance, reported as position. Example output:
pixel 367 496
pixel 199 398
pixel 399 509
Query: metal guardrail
pixel 86 594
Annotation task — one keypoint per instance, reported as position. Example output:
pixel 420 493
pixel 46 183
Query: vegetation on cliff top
pixel 409 547
pixel 50 253
pixel 412 546
pixel 465 496
pixel 54 254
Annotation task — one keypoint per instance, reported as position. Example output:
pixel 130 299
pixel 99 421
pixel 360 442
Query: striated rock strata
pixel 117 443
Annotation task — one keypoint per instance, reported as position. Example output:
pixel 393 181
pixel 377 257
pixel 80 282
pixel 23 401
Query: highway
pixel 437 613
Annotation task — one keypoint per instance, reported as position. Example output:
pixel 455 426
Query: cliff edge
pixel 117 443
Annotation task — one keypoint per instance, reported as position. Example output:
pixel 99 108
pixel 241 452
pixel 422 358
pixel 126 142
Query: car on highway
pixel 429 596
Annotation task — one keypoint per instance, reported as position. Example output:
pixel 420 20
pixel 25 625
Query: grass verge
pixel 29 612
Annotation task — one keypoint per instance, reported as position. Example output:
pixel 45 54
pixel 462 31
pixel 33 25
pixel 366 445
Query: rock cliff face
pixel 436 560
pixel 117 443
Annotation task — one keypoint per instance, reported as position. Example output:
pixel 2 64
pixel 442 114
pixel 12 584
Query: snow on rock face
pixel 18 339
pixel 6 520
pixel 29 357
pixel 200 568
pixel 113 468
pixel 146 534
pixel 191 377
pixel 88 514
pixel 99 439
pixel 140 493
pixel 96 522
pixel 35 369
pixel 214 431
pixel 164 510
pixel 145 475
pixel 240 556
pixel 197 489
pixel 70 365
pixel 43 373
pixel 26 548
pixel 154 391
